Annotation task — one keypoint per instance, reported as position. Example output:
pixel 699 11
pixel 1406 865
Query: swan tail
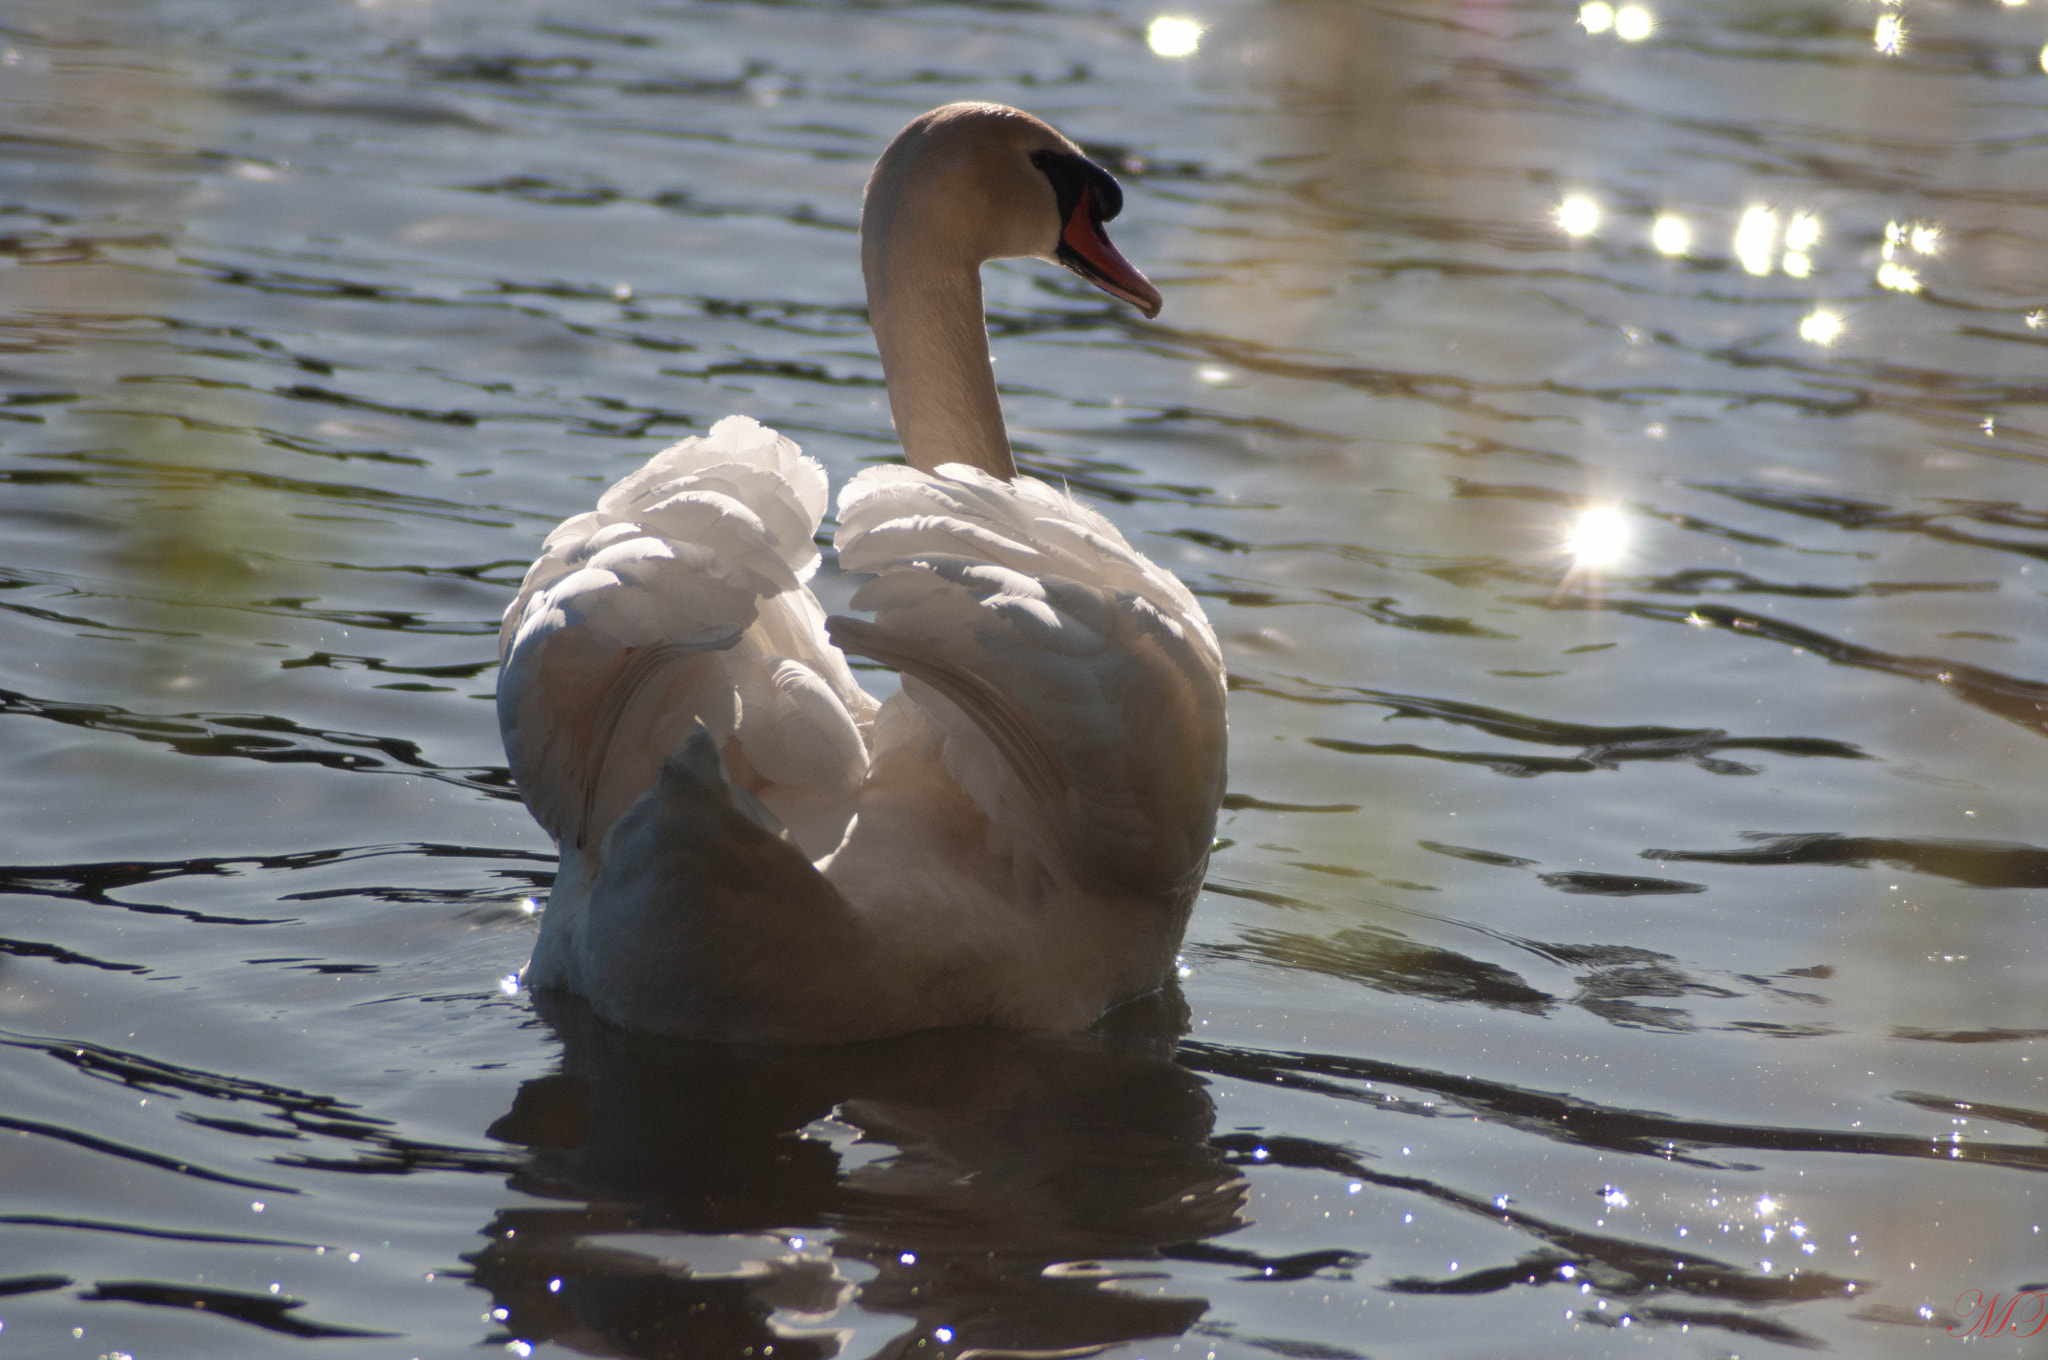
pixel 706 908
pixel 1078 687
pixel 680 600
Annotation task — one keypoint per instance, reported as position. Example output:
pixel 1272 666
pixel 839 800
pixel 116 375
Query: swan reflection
pixel 964 1189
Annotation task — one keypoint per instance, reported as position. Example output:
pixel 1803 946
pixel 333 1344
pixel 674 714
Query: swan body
pixel 752 847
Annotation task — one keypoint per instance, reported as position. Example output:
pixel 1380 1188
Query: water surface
pixel 1632 947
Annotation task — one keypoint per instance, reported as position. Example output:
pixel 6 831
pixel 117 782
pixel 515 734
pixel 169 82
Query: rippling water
pixel 1623 935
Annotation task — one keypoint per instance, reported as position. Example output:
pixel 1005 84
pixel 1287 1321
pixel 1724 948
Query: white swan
pixel 751 847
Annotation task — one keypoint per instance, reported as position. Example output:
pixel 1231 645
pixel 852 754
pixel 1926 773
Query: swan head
pixel 967 183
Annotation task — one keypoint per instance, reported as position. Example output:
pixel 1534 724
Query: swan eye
pixel 1071 175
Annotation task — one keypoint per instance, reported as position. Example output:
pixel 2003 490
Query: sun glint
pixel 1670 235
pixel 1633 23
pixel 1171 36
pixel 1598 538
pixel 1821 326
pixel 1756 235
pixel 1579 215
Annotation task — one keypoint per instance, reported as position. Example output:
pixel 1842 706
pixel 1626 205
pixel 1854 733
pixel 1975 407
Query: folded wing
pixel 681 600
pixel 1077 687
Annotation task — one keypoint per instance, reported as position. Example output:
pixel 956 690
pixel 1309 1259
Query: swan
pixel 751 847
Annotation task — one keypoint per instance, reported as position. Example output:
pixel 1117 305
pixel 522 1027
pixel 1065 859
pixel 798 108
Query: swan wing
pixel 1078 686
pixel 680 600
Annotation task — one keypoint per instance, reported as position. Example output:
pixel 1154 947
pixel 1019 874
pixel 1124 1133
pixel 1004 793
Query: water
pixel 1598 956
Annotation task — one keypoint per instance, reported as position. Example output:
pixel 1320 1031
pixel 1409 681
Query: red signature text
pixel 2024 1313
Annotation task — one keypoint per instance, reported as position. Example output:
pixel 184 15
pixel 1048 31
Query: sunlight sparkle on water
pixel 1889 37
pixel 1579 215
pixel 1599 537
pixel 1755 236
pixel 1821 326
pixel 1802 232
pixel 1596 16
pixel 1172 36
pixel 1633 23
pixel 1670 234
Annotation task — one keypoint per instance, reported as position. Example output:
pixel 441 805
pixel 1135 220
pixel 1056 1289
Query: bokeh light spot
pixel 1821 326
pixel 1755 236
pixel 1579 215
pixel 1670 234
pixel 1598 538
pixel 1171 36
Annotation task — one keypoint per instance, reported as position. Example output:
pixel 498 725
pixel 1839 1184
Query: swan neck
pixel 925 305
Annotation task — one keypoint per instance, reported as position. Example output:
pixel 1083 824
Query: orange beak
pixel 1085 249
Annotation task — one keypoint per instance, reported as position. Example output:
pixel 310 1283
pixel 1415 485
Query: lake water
pixel 1613 460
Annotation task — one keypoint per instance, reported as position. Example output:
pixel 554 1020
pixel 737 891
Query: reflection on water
pixel 1607 438
pixel 977 1185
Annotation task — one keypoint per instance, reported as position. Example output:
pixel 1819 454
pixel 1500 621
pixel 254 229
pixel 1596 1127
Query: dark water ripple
pixel 96 883
pixel 2011 697
pixel 271 1313
pixel 376 1148
pixel 1567 1119
pixel 259 737
pixel 1980 864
